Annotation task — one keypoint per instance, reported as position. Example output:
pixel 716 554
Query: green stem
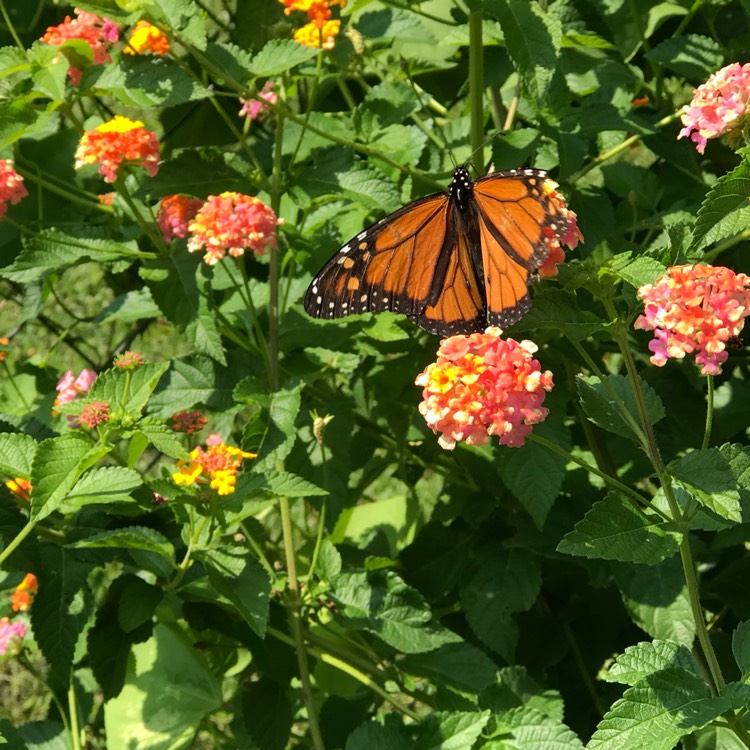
pixel 22 534
pixel 14 385
pixel 10 27
pixel 75 732
pixel 476 89
pixel 709 411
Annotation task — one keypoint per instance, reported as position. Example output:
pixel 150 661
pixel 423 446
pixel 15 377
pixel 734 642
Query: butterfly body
pixel 453 262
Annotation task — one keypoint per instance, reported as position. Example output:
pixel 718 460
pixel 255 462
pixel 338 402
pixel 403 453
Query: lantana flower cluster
pixel 117 142
pixel 695 309
pixel 175 214
pixel 70 388
pixel 321 30
pixel 718 107
pixel 216 465
pixel 11 635
pixel 255 109
pixel 231 223
pixel 12 189
pixel 98 33
pixel 483 385
pixel 145 38
pixel 24 593
pixel 20 488
pixel 570 237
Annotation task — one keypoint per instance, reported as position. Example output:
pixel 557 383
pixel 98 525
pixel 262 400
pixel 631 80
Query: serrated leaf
pixel 728 194
pixel 57 466
pixel 280 56
pixel 462 665
pixel 691 55
pixel 615 529
pixel 381 603
pixel 244 582
pixel 132 538
pixel 707 476
pixel 369 188
pixel 607 403
pixel 16 454
pixel 388 734
pixel 52 250
pixel 636 270
pixel 283 483
pixel 105 484
pixel 161 437
pixel 454 730
pixel 560 311
pixel 130 389
pixel 130 307
pixel 281 434
pixel 530 729
pixel 658 711
pixel 643 659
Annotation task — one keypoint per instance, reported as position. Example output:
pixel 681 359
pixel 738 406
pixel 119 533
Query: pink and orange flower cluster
pixel 12 189
pixel 483 385
pixel 719 108
pixel 695 309
pixel 217 466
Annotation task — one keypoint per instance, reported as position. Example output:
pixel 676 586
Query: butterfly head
pixel 460 187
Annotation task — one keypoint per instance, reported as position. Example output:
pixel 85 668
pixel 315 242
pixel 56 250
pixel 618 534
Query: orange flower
pixel 23 596
pixel 174 215
pixel 216 466
pixel 570 237
pixel 117 142
pixel 321 30
pixel 483 385
pixel 146 38
pixel 20 487
pixel 230 223
pixel 98 33
pixel 4 343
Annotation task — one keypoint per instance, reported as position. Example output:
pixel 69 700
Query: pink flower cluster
pixel 570 237
pixel 483 385
pixel 70 388
pixel 98 33
pixel 231 223
pixel 695 308
pixel 718 107
pixel 175 214
pixel 257 108
pixel 11 633
pixel 94 414
pixel 12 189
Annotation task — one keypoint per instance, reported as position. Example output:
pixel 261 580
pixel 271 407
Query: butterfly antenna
pixel 487 140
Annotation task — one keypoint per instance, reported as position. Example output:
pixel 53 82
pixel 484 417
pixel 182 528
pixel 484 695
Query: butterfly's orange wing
pixel 412 262
pixel 516 219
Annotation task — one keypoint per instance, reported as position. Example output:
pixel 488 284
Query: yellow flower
pixel 217 466
pixel 147 38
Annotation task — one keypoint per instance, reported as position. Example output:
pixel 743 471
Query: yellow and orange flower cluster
pixel 570 237
pixel 98 33
pixel 24 593
pixel 695 308
pixel 147 39
pixel 117 142
pixel 20 488
pixel 483 385
pixel 321 30
pixel 231 223
pixel 216 465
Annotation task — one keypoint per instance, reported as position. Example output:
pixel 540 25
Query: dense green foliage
pixel 362 588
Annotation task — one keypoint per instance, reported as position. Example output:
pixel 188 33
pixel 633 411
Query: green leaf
pixel 61 610
pixel 57 466
pixel 560 311
pixel 707 476
pixel 615 529
pixel 530 729
pixel 161 437
pixel 658 711
pixel 643 659
pixel 16 454
pixel 455 730
pixel 244 582
pixel 52 250
pixel 636 270
pixel 380 602
pixel 280 56
pixel 387 733
pixel 691 55
pixel 533 39
pixel 728 194
pixel 169 689
pixel 741 647
pixel 369 188
pixel 184 16
pixel 130 389
pixel 105 484
pixel 460 665
pixel 283 483
pixel 607 403
pixel 657 600
pixel 280 434
pixel 131 538
pixel 130 307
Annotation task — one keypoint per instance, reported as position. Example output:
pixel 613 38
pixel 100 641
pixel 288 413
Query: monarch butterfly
pixel 452 262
